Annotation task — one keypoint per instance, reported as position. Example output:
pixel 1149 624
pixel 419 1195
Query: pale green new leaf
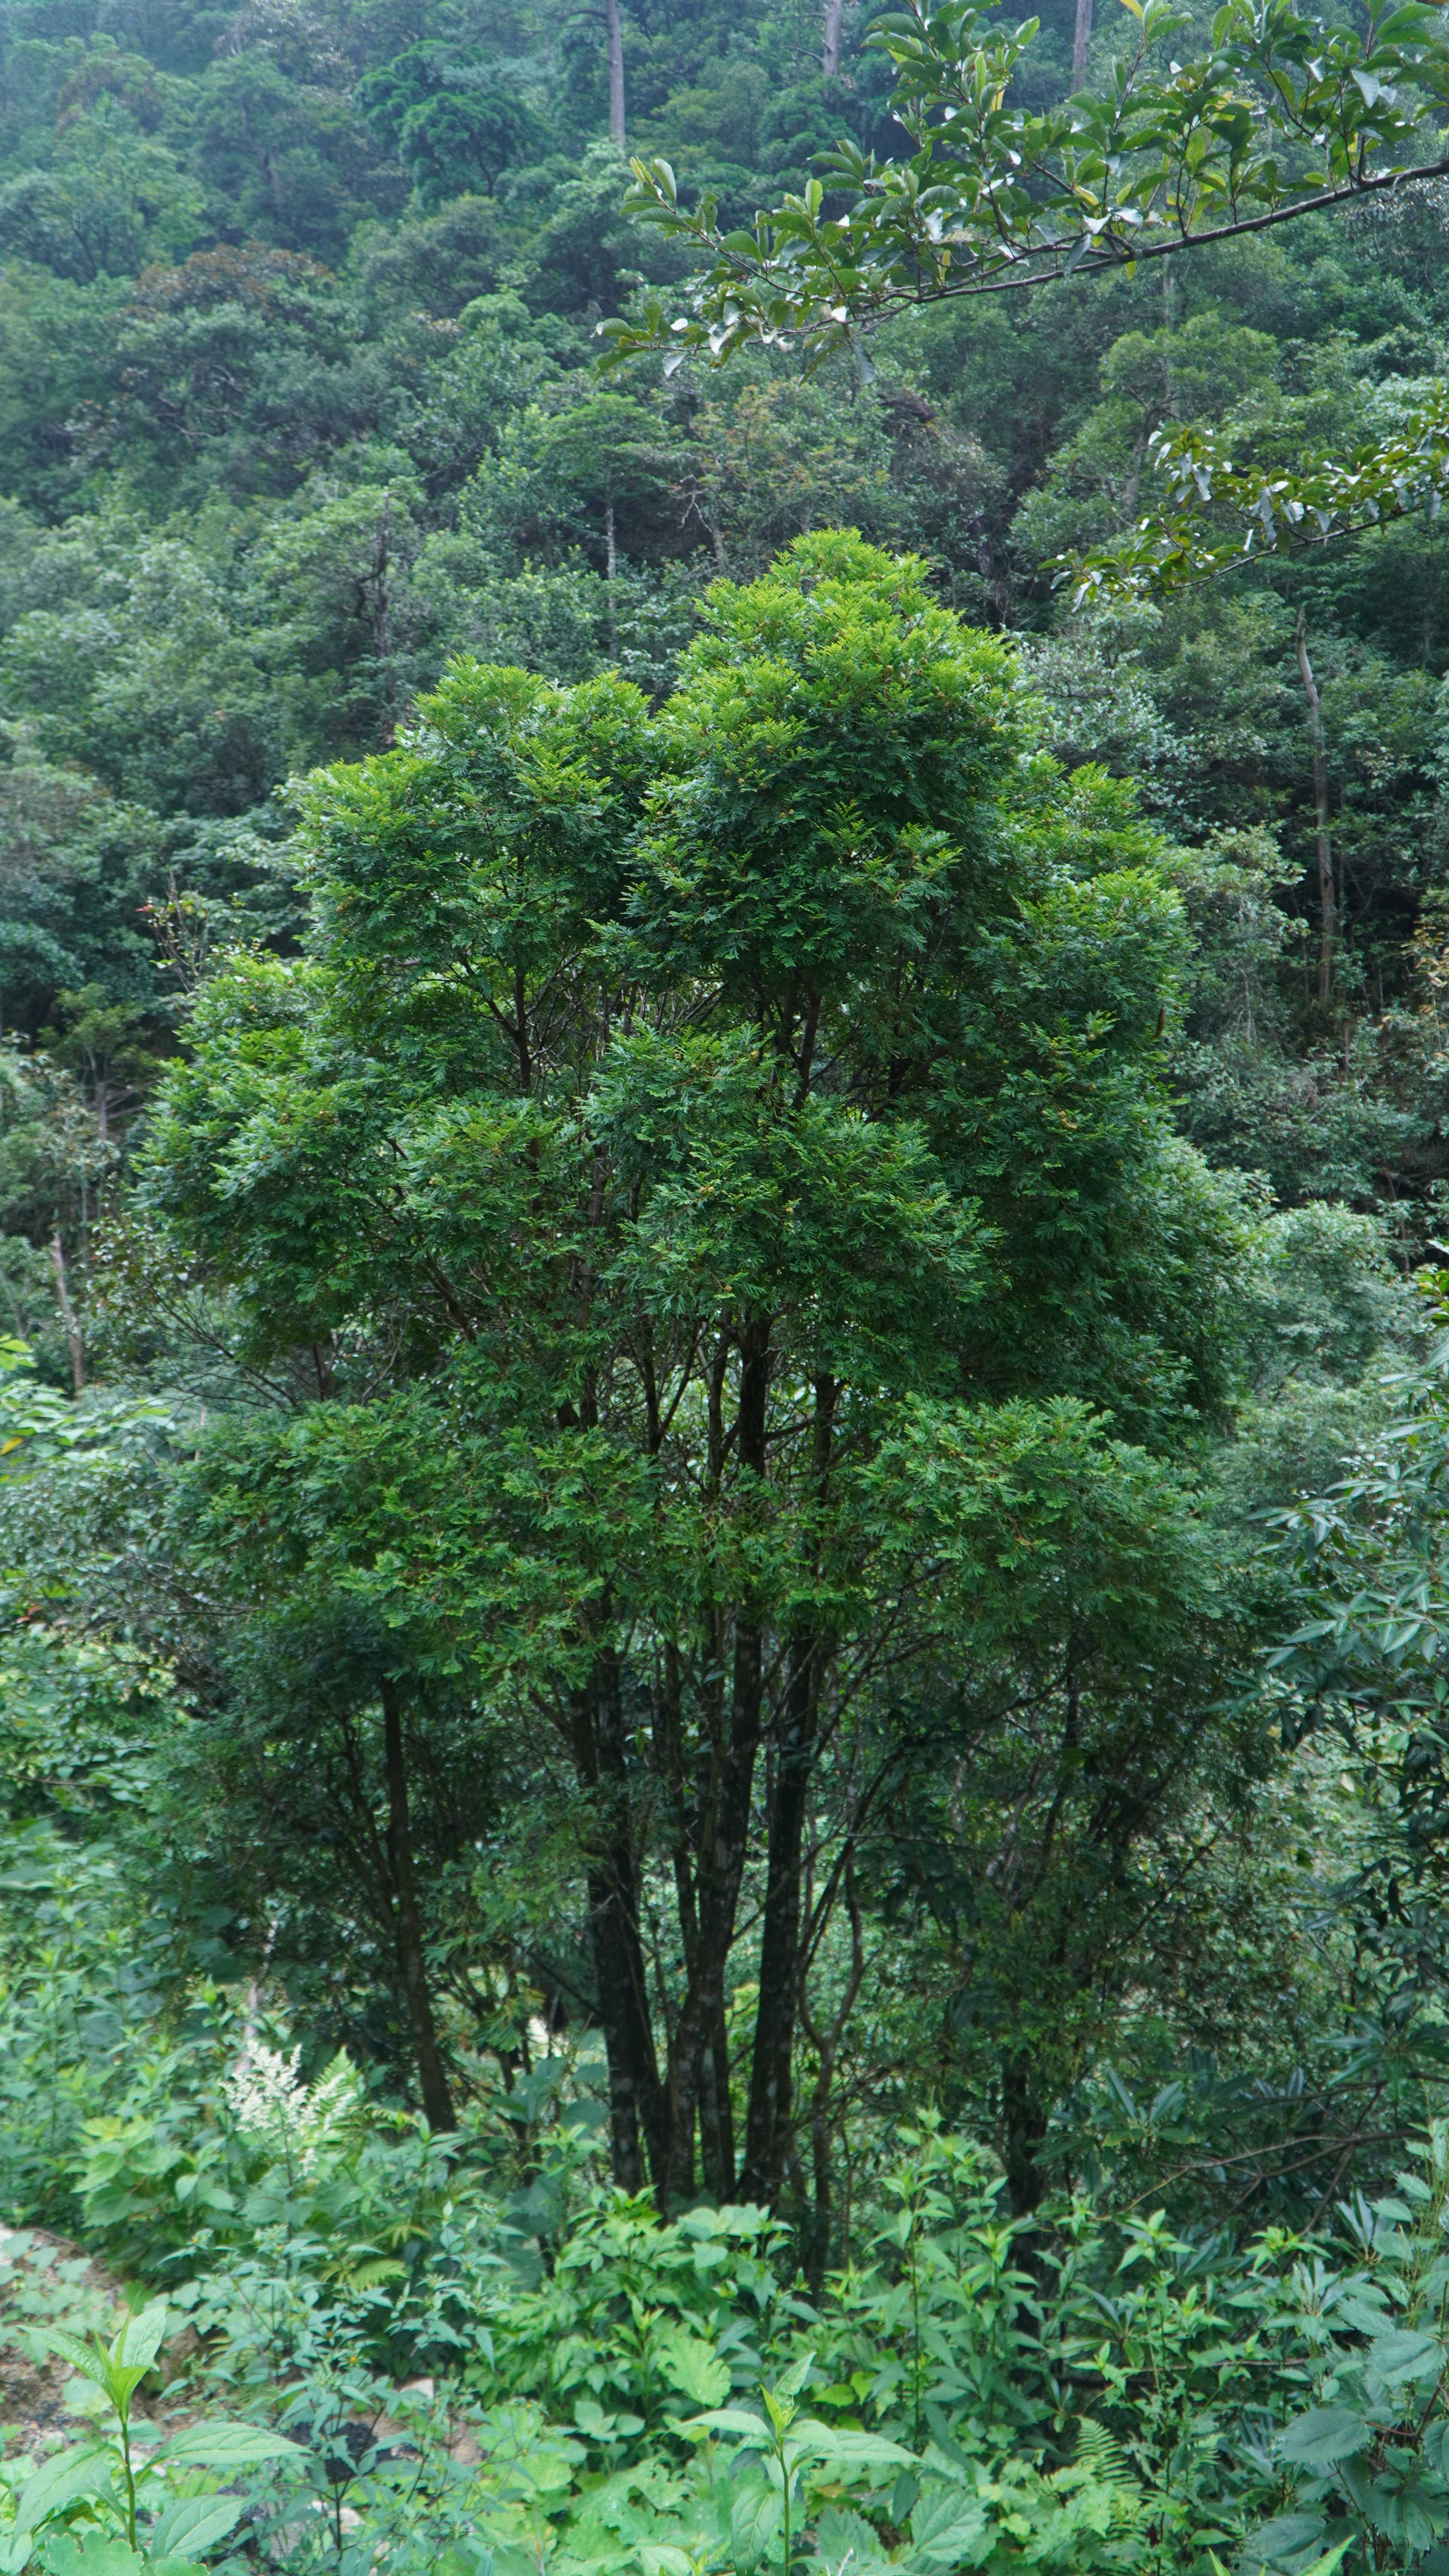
pixel 140 2338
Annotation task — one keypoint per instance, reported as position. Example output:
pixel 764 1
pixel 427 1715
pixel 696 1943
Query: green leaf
pixel 1405 2354
pixel 90 2553
pixel 694 2367
pixel 140 2338
pixel 945 2526
pixel 840 2534
pixel 1282 2539
pixel 84 2357
pixel 858 2453
pixel 192 2524
pixel 1326 2434
pixel 224 2445
pixel 730 2419
pixel 754 2522
pixel 61 2482
pixel 1331 2558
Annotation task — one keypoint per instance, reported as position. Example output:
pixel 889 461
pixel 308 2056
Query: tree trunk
pixel 768 2127
pixel 768 2121
pixel 716 2114
pixel 1327 907
pixel 1081 41
pixel 725 1827
pixel 636 2097
pixel 830 49
pixel 68 1316
pixel 826 2044
pixel 614 33
pixel 1025 2128
pixel 408 1932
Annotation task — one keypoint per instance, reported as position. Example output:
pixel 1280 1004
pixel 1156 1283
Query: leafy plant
pixel 101 2508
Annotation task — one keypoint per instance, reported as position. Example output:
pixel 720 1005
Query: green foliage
pixel 995 194
pixel 652 1867
pixel 81 2509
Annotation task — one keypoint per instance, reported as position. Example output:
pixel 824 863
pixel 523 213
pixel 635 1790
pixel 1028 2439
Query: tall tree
pixel 721 1160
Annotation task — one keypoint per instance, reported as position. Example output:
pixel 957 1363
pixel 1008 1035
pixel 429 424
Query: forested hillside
pixel 724 1132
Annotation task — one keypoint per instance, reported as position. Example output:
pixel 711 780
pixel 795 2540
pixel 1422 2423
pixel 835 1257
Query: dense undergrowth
pixel 483 2356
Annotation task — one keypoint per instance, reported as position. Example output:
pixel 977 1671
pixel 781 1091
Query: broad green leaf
pixel 61 2482
pixel 1326 2434
pixel 729 2419
pixel 224 2445
pixel 1405 2354
pixel 944 2523
pixel 192 2524
pixel 754 2522
pixel 859 2453
pixel 840 2534
pixel 1284 2538
pixel 694 2367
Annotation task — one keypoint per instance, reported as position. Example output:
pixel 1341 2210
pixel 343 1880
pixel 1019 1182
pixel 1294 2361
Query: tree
pixel 643 1157
pixel 997 198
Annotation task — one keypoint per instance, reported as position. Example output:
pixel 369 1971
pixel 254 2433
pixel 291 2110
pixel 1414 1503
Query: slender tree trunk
pixel 1081 41
pixel 68 1316
pixel 611 574
pixel 716 2114
pixel 768 2121
pixel 826 2044
pixel 768 2126
pixel 1327 906
pixel 614 33
pixel 412 1958
pixel 830 49
pixel 724 1836
pixel 637 2102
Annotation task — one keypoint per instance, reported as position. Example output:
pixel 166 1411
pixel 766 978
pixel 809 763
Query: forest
pixel 724 1343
